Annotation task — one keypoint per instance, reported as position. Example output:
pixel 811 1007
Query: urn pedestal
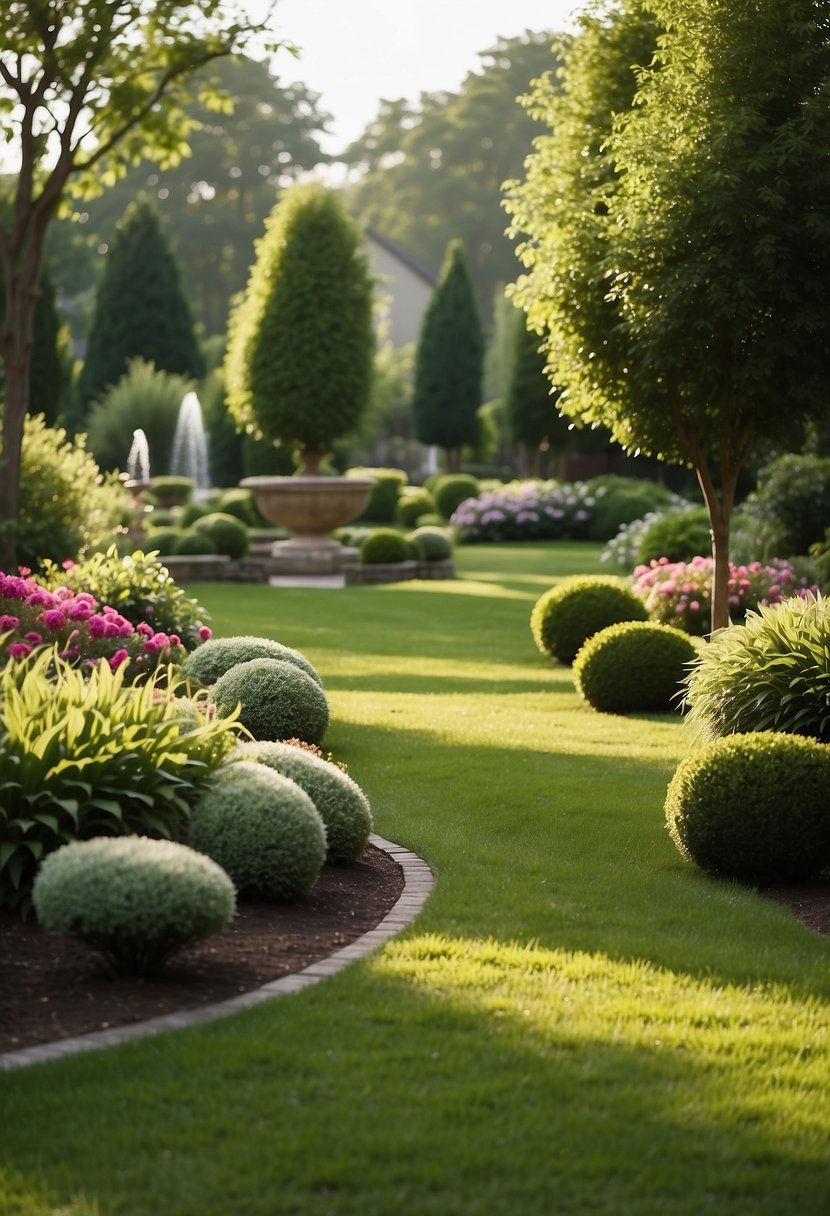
pixel 310 508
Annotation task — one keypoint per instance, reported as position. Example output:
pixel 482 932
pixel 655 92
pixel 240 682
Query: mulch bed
pixel 54 988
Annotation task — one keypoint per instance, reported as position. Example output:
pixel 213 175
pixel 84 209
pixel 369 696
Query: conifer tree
pixel 449 362
pixel 140 308
pixel 531 401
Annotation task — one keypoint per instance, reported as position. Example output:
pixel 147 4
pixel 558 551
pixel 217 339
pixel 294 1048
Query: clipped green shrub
pixel 161 517
pixel 574 610
pixel 82 754
pixel 190 512
pixel 383 497
pixel 262 829
pixel 621 500
pixel 229 535
pixel 431 520
pixel 451 489
pixel 753 807
pixel 138 901
pixel 677 535
pixel 195 544
pixel 383 546
pixel 219 655
pixel 277 700
pixel 172 491
pixel 240 503
pixel 771 673
pixel 414 502
pixel 342 804
pixel 634 667
pixel 788 511
pixel 434 543
pixel 414 552
pixel 141 588
pixel 164 541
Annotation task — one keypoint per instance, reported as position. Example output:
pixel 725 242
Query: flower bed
pixel 526 510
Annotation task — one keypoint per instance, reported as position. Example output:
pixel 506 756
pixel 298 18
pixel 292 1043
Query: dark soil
pixel 55 988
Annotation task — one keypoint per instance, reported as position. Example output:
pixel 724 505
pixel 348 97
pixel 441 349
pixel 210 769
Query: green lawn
pixel 577 1023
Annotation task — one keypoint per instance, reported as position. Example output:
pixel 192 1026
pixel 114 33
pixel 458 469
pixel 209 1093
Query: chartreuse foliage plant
pixel 82 755
pixel 578 607
pixel 771 673
pixel 634 667
pixel 577 1021
pixel 137 900
pixel 754 807
pixel 263 829
pixel 342 804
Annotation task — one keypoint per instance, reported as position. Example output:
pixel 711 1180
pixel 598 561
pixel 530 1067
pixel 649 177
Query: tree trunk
pixel 21 298
pixel 719 506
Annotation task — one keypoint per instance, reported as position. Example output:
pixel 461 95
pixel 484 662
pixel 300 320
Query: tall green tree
pixel 678 227
pixel 86 87
pixel 301 342
pixel 141 311
pixel 449 361
pixel 530 401
pixel 424 171
pixel 51 370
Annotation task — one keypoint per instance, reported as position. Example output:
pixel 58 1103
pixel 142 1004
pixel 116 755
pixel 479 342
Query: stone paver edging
pixel 417 886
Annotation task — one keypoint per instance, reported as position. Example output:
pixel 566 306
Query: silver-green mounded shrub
pixel 138 901
pixel 277 700
pixel 343 806
pixel 753 807
pixel 634 667
pixel 574 610
pixel 218 655
pixel 262 829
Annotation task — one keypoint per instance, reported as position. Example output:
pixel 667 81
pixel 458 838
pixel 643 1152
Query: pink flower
pixel 33 638
pixel 175 640
pixel 97 627
pixel 54 618
pixel 67 565
pixel 80 610
pixel 120 656
pixel 694 606
pixel 19 650
pixel 40 599
pixel 9 622
pixel 143 628
pixel 205 633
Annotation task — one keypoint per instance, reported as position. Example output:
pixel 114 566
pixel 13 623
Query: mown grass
pixel 577 1023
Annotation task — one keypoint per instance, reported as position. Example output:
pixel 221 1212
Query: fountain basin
pixel 310 508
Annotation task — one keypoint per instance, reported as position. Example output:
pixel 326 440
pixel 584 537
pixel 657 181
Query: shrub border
pixel 418 882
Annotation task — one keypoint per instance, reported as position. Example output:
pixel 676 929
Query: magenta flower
pixel 120 656
pixel 33 638
pixel 19 650
pixel 9 622
pixel 205 634
pixel 54 618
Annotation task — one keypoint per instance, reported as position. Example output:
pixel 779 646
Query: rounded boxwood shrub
pixel 753 807
pixel 383 546
pixel 434 544
pixel 190 512
pixel 262 829
pixel 634 667
pixel 413 502
pixel 137 900
pixel 343 806
pixel 451 489
pixel 172 491
pixel 194 544
pixel 229 535
pixel 574 610
pixel 383 496
pixel 217 655
pixel 770 673
pixel 164 541
pixel 677 535
pixel 277 700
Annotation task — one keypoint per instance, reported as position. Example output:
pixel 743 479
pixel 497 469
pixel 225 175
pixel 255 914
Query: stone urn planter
pixel 310 508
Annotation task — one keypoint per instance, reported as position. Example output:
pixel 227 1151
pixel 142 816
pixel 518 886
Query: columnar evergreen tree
pixel 141 311
pixel 301 341
pixel 531 401
pixel 679 232
pixel 449 361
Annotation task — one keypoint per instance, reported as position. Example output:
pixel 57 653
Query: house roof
pixel 415 264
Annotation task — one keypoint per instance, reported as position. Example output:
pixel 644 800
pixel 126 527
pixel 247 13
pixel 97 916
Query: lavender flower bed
pixel 526 510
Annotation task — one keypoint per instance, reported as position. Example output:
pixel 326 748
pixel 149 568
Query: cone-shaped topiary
pixel 277 700
pixel 343 806
pixel 634 667
pixel 753 807
pixel 218 655
pixel 262 829
pixel 301 340
pixel 384 545
pixel 136 900
pixel 575 609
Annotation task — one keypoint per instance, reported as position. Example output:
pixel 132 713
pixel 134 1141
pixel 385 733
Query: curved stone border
pixel 418 883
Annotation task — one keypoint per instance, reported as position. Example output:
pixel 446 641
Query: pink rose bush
pixel 84 631
pixel 680 593
pixel 526 510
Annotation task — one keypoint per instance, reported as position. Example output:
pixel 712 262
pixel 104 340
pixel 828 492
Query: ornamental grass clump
pixel 771 673
pixel 680 593
pixel 262 829
pixel 274 699
pixel 342 804
pixel 753 807
pixel 218 655
pixel 526 510
pixel 574 610
pixel 634 667
pixel 84 754
pixel 136 900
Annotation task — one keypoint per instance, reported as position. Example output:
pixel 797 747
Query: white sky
pixel 353 52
